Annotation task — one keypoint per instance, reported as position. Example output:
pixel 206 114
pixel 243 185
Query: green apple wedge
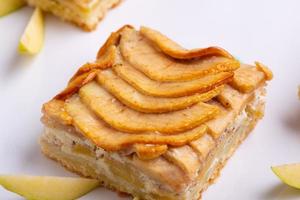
pixel 8 6
pixel 289 174
pixel 32 39
pixel 48 187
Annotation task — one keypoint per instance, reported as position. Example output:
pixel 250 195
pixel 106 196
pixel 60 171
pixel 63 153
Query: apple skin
pixel 8 6
pixel 289 174
pixel 32 39
pixel 48 187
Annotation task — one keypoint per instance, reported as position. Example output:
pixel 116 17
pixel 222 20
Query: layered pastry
pixel 152 119
pixel 84 13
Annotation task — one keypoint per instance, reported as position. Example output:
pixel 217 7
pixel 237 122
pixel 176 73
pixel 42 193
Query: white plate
pixel 268 31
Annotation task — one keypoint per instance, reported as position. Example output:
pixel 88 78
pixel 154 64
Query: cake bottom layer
pixel 115 174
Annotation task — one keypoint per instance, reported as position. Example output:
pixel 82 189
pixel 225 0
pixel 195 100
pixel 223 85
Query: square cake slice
pixel 84 13
pixel 152 119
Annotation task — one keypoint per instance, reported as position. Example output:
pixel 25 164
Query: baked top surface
pixel 180 94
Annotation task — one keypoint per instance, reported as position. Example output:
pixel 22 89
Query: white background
pixel 268 31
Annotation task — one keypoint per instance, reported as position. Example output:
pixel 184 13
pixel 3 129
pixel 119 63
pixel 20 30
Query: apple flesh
pixel 47 187
pixel 8 6
pixel 289 174
pixel 32 39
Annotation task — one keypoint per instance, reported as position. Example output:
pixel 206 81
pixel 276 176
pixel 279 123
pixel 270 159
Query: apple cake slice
pixel 152 119
pixel 84 13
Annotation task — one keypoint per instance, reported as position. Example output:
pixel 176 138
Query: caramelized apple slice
pixel 55 110
pixel 123 118
pixel 185 158
pixel 268 73
pixel 170 89
pixel 231 98
pixel 47 187
pixel 160 67
pixel 149 151
pixel 148 104
pixel 203 145
pixel 247 78
pixel 113 39
pixel 174 50
pixel 105 61
pixel 88 71
pixel 218 125
pixel 110 139
pixel 76 83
